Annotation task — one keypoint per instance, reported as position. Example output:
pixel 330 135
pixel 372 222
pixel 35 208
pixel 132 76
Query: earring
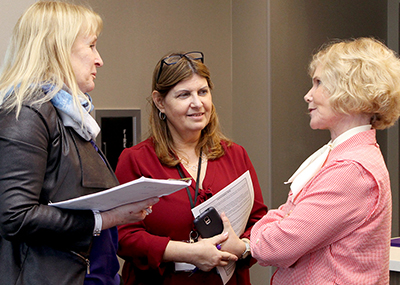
pixel 162 116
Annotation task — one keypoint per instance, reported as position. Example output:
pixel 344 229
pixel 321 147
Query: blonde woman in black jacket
pixel 48 154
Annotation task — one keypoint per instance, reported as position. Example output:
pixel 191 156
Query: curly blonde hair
pixel 362 76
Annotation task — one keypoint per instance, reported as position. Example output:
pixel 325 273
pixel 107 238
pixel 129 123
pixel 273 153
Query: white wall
pixel 10 11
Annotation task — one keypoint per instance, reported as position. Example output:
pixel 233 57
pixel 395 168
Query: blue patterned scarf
pixel 88 129
pixel 71 117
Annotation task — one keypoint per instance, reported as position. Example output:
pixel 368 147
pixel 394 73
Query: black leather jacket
pixel 41 161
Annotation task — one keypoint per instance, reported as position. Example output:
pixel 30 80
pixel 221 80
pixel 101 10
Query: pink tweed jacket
pixel 337 231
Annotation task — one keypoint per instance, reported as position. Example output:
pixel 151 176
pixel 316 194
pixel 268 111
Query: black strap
pixel 196 191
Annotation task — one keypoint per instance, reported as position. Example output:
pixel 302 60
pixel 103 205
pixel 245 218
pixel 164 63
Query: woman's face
pixel 320 110
pixel 85 60
pixel 187 106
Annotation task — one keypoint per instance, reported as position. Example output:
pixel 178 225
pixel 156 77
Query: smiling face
pixel 187 106
pixel 85 59
pixel 322 115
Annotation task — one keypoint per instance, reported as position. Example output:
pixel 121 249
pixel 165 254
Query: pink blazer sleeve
pixel 339 199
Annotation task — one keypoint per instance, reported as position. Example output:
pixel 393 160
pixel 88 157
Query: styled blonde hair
pixel 211 135
pixel 40 51
pixel 362 76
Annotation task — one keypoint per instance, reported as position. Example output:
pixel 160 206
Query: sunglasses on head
pixel 172 59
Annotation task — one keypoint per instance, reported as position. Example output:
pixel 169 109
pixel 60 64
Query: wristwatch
pixel 247 251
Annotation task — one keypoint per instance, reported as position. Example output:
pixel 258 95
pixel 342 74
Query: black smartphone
pixel 209 223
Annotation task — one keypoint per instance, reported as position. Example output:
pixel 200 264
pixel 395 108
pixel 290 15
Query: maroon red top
pixel 142 244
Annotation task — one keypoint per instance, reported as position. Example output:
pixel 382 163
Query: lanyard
pixel 196 192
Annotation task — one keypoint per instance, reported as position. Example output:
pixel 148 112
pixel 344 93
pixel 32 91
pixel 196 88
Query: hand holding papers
pixel 133 191
pixel 236 200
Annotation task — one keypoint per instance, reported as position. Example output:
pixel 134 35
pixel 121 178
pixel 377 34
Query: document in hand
pixel 236 200
pixel 133 191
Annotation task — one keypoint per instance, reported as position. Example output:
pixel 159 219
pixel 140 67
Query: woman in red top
pixel 185 141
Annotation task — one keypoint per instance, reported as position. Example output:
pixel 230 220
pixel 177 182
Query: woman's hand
pixel 129 213
pixel 209 256
pixel 204 254
pixel 233 244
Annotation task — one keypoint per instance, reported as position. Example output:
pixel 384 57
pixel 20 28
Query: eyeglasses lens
pixel 195 56
pixel 190 55
pixel 172 59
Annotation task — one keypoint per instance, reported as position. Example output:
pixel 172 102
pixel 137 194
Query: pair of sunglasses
pixel 173 59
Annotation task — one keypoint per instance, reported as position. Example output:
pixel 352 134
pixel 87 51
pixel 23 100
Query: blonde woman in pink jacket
pixel 335 226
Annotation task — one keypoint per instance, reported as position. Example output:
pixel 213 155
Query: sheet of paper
pixel 133 191
pixel 236 200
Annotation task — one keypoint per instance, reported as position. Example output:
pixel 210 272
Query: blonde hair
pixel 40 52
pixel 211 135
pixel 362 76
